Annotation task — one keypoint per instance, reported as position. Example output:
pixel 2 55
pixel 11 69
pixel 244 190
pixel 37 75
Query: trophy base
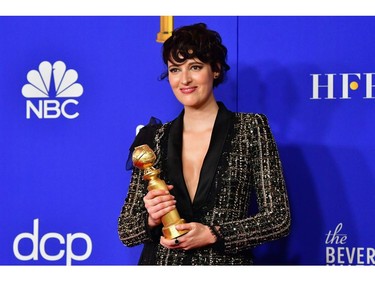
pixel 170 232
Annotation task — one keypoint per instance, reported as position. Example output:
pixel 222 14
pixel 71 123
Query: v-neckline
pixel 209 166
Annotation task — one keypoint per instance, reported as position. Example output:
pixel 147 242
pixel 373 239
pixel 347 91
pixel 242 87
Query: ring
pixel 176 241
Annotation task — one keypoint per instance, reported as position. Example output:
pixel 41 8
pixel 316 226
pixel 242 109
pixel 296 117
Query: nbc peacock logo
pixel 52 91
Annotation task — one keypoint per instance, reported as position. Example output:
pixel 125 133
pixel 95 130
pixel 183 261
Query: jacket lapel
pixel 191 211
pixel 210 163
pixel 174 162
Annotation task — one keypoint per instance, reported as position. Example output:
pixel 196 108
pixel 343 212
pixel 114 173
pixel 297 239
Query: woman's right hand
pixel 158 202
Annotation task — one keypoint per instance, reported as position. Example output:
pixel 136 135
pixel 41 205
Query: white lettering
pixel 42 249
pixel 349 81
pixel 370 256
pixel 360 256
pixel 350 254
pixel 50 109
pixel 51 106
pixel 346 255
pixel 69 245
pixel 345 84
pixel 317 85
pixel 340 255
pixel 65 103
pixel 369 85
pixel 33 237
pixel 330 255
pixel 336 237
pixel 37 111
pixel 42 245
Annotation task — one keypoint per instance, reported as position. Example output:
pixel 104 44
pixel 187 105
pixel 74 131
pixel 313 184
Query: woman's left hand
pixel 198 236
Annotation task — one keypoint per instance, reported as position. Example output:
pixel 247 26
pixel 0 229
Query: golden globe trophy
pixel 143 157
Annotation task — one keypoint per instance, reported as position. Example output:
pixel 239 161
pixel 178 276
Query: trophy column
pixel 143 158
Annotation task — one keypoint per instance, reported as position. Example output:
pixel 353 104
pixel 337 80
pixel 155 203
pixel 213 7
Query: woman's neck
pixel 200 119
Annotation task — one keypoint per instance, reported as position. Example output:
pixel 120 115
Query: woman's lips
pixel 187 90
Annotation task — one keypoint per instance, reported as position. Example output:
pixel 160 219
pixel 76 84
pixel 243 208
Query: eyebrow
pixel 189 63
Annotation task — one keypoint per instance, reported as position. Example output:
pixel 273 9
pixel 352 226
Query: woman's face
pixel 191 82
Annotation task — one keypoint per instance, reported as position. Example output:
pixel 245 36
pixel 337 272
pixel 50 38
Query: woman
pixel 213 160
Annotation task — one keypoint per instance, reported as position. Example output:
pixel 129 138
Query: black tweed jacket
pixel 241 189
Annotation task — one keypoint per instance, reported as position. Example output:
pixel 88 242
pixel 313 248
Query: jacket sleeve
pixel 272 219
pixel 132 222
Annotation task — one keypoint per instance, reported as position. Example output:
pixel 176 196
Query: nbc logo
pixel 47 80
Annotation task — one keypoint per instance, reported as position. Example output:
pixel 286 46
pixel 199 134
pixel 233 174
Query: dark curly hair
pixel 196 41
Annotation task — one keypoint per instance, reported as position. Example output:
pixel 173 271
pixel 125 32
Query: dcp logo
pixel 42 246
pixel 52 80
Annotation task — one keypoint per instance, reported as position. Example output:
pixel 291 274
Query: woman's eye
pixel 173 70
pixel 196 67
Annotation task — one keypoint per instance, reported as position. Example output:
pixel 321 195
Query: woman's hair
pixel 196 41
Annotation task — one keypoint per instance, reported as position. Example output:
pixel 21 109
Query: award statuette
pixel 143 158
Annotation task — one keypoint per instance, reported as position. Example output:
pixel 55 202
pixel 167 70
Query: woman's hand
pixel 198 235
pixel 158 202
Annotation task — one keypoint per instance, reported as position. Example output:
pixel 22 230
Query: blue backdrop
pixel 73 91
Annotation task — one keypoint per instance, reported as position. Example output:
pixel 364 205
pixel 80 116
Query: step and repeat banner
pixel 75 90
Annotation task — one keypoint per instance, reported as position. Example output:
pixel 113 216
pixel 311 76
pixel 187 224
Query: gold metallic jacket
pixel 241 189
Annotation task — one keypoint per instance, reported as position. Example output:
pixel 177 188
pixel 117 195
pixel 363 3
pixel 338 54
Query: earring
pixel 216 76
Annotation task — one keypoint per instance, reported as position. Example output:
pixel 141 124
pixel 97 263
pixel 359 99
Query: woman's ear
pixel 218 70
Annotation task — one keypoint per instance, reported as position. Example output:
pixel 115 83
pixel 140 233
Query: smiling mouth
pixel 187 90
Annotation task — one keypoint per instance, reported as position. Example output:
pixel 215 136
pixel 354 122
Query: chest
pixel 194 150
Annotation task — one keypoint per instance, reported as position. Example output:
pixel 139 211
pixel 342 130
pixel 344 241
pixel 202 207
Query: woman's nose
pixel 186 78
